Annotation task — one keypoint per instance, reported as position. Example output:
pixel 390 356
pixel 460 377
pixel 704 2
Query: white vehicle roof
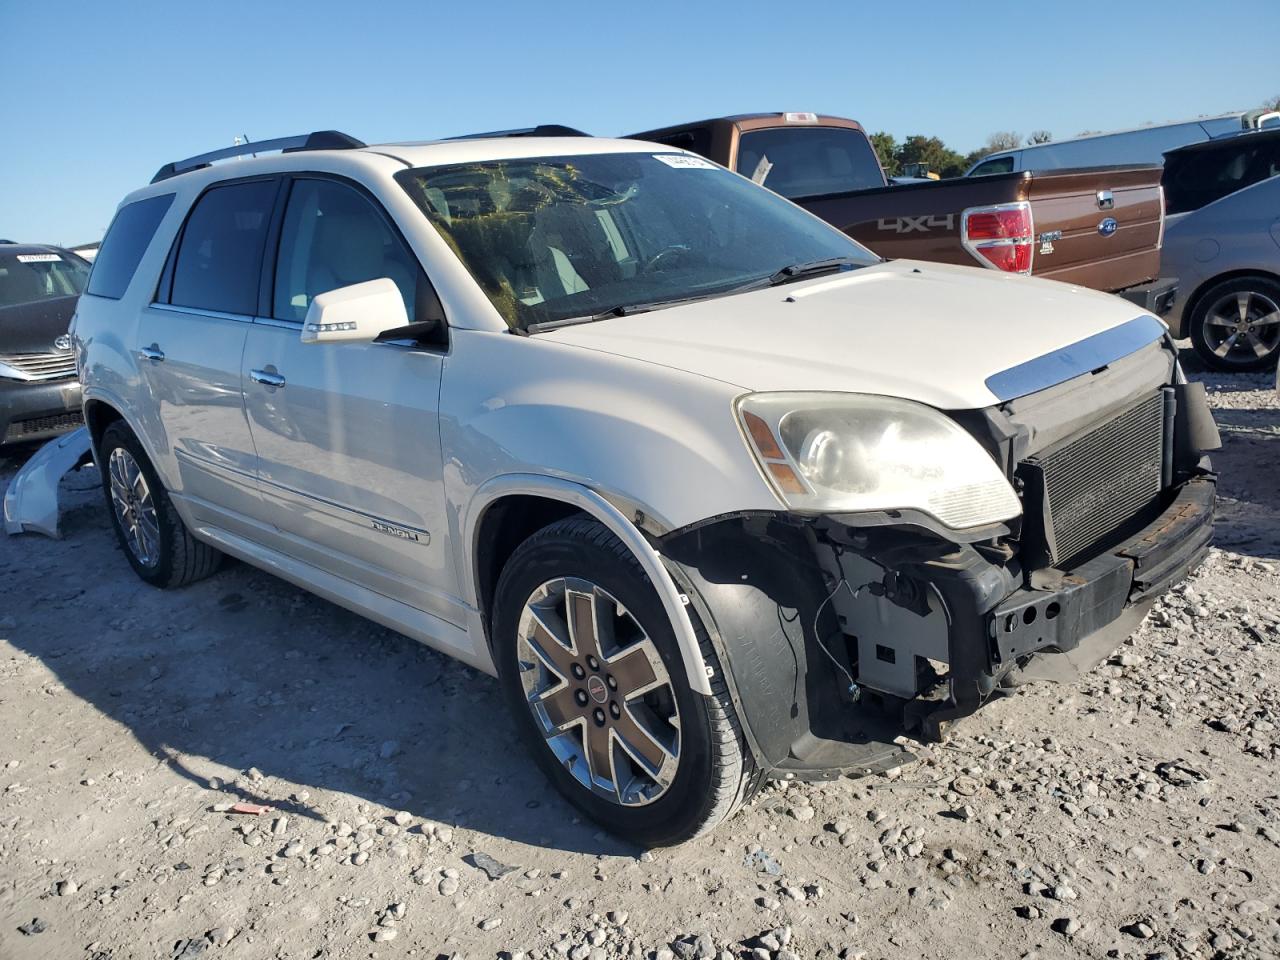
pixel 377 156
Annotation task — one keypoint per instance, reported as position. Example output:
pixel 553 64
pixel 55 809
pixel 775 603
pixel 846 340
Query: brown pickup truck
pixel 1099 227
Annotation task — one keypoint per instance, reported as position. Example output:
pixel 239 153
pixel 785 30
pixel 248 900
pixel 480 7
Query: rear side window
pixel 998 165
pixel 219 259
pixel 126 241
pixel 809 161
pixel 1199 177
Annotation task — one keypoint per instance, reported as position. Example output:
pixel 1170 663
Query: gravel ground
pixel 1134 813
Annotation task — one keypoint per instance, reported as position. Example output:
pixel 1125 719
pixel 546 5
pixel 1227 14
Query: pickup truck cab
pixel 1099 227
pixel 628 431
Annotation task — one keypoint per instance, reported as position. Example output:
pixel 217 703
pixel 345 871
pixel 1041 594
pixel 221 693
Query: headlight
pixel 843 453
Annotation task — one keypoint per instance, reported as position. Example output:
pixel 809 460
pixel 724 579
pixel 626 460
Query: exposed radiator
pixel 1094 482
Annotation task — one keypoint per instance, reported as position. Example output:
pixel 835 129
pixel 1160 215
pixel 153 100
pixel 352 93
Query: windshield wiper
pixel 814 268
pixel 788 274
pixel 622 310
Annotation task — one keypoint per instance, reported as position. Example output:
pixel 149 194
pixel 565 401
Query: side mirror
pixel 358 313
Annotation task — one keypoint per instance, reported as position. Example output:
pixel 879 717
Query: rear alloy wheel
pixel 155 540
pixel 1236 325
pixel 595 679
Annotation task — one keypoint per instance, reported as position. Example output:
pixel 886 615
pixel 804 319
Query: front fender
pixel 591 502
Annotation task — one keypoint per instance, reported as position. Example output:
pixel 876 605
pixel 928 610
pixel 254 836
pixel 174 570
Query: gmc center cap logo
pixel 1108 226
pixel 599 692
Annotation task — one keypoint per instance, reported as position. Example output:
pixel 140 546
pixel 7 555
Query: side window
pixel 333 237
pixel 998 165
pixel 126 241
pixel 219 260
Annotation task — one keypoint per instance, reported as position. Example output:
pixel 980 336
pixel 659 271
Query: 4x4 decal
pixel 921 224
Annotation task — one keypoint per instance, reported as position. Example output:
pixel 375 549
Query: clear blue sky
pixel 99 95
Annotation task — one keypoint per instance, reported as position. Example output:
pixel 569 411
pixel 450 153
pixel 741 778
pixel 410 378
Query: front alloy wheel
pixel 1237 324
pixel 599 692
pixel 599 689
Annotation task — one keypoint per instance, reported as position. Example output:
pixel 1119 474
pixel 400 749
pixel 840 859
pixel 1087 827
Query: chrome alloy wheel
pixel 135 510
pixel 599 691
pixel 1243 326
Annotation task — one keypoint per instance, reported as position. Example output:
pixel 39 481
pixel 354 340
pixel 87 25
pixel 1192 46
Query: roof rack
pixel 541 130
pixel 319 140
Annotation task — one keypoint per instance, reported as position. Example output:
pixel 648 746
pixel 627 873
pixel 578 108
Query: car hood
pixel 928 332
pixel 32 327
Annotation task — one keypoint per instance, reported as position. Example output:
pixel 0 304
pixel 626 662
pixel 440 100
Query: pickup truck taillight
pixel 1000 236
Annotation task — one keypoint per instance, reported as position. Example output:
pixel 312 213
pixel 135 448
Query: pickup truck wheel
pixel 1236 324
pixel 590 665
pixel 154 539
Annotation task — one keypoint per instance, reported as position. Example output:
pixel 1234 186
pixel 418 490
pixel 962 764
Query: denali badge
pixel 1108 226
pixel 63 343
pixel 423 538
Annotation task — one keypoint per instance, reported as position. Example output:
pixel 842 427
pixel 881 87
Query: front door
pixel 190 346
pixel 347 434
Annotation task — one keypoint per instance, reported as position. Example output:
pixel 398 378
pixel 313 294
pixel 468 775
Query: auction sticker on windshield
pixel 685 160
pixel 38 258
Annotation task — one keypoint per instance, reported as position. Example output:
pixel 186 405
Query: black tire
pixel 181 559
pixel 716 773
pixel 1238 361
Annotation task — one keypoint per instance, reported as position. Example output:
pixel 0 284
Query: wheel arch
pixel 506 510
pixel 1193 300
pixel 98 415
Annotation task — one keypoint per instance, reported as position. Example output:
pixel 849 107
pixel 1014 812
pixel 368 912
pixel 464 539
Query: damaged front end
pixel 840 633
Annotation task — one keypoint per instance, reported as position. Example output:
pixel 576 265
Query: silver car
pixel 1222 242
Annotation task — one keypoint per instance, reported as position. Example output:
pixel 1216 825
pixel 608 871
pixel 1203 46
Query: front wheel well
pixel 99 415
pixel 505 525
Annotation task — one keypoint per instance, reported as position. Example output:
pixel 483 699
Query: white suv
pixel 717 494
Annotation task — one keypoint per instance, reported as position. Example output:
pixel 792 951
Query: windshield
pixel 554 238
pixel 28 277
pixel 809 161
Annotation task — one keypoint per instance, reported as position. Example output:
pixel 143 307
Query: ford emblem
pixel 63 342
pixel 1108 226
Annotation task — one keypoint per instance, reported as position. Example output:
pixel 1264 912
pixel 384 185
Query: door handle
pixel 267 378
pixel 152 353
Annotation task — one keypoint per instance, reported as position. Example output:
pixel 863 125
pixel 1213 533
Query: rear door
pixel 1100 228
pixel 190 343
pixel 348 434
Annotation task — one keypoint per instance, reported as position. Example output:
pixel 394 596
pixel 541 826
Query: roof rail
pixel 319 140
pixel 541 130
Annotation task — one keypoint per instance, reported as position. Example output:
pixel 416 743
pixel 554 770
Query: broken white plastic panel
pixel 31 501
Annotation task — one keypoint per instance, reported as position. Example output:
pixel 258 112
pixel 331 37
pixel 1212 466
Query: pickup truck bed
pixel 1099 227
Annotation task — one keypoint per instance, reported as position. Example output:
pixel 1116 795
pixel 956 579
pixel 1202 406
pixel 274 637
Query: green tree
pixel 931 151
pixel 1272 104
pixel 886 149
pixel 1039 136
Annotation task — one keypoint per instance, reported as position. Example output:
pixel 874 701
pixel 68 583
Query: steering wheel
pixel 666 253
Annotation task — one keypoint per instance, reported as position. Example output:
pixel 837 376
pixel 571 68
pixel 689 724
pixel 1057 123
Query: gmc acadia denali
pixel 717 494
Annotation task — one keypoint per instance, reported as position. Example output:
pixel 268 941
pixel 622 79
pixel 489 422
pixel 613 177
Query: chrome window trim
pixel 200 312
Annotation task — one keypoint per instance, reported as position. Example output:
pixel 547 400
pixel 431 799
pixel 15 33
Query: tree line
pixel 945 162
pixel 940 158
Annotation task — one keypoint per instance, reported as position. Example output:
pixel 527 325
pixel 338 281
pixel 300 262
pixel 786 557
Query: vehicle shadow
pixel 245 671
